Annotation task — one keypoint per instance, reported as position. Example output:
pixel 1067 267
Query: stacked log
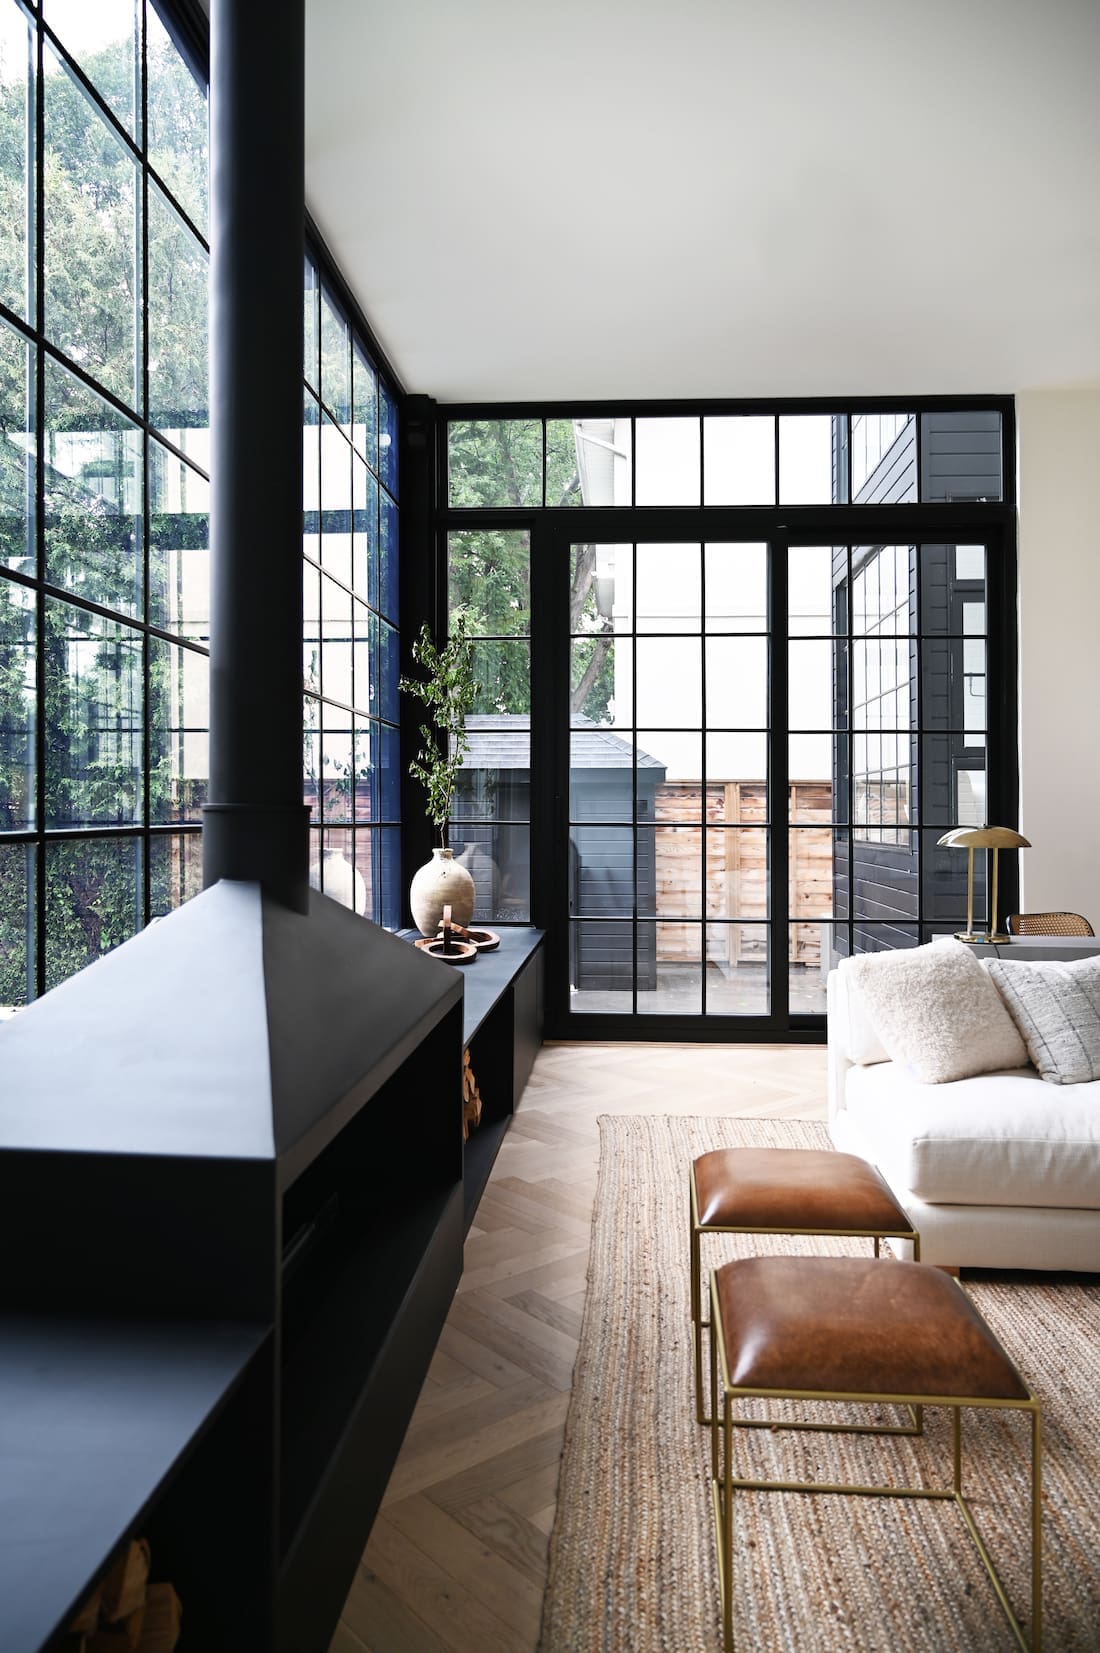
pixel 471 1098
pixel 125 1613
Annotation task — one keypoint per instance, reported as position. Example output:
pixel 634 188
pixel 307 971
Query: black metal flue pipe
pixel 256 826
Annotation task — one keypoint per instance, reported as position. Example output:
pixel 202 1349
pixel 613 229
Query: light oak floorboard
pixel 457 1560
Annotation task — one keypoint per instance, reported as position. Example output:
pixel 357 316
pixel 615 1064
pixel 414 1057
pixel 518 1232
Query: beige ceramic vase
pixel 441 882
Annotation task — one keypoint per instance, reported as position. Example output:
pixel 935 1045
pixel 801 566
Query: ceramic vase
pixel 441 882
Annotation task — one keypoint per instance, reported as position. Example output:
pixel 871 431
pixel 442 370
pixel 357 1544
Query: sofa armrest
pixel 836 1011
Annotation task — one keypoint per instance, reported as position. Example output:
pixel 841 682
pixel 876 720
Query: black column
pixel 255 825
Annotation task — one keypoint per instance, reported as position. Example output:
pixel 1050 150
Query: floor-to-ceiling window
pixel 103 481
pixel 760 642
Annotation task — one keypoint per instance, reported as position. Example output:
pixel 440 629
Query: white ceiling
pixel 599 198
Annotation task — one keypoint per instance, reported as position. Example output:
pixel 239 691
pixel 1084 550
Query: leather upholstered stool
pixel 785 1191
pixel 852 1329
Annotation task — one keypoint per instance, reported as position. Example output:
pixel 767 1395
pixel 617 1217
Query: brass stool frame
pixel 699 1325
pixel 724 1482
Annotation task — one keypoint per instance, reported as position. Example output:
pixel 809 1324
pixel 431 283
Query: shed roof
pixel 502 740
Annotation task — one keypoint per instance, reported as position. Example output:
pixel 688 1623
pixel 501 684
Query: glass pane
pixel 391 771
pixel 335 361
pixel 738 981
pixel 669 687
pixel 389 672
pixel 883 687
pixel 737 682
pixel 810 473
pixel 739 765
pixel 91 204
pixel 676 853
pixel 944 874
pixel 388 460
pixel 737 587
pixel 179 546
pixel 737 872
pixel 667 591
pixel 953 684
pixel 600 776
pixel 883 590
pixel 175 871
pixel 388 557
pixel 364 390
pixel 666 461
pixel 884 884
pixel 368 875
pixel 601 871
pixel 104 39
pixel 392 880
pixel 498 858
pixel 335 501
pixel 670 768
pixel 670 969
pixel 311 478
pixel 339 879
pixel 364 532
pixel 178 300
pixel 16 454
pixel 603 453
pixel 952 588
pixel 563 476
pixel 17 56
pixel 365 804
pixel 961 456
pixel 600 681
pixel 810 769
pixel 883 801
pixel 503 671
pixel 337 765
pixel 94 711
pixel 494 783
pixel 18 707
pixel 93 901
pixel 311 756
pixel 601 968
pixel 311 628
pixel 810 867
pixel 883 458
pixel 311 343
pixel 17 901
pixel 93 497
pixel 810 956
pixel 489 581
pixel 178 125
pixel 816 683
pixel 600 587
pixel 811 573
pixel 365 658
pixel 495 462
pixel 336 642
pixel 953 780
pixel 179 732
pixel 739 460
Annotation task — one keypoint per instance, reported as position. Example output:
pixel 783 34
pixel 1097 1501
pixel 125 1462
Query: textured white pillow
pixel 862 1043
pixel 937 1011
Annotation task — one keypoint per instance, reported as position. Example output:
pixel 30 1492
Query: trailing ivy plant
pixel 448 689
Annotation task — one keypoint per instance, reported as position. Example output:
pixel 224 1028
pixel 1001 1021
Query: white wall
pixel 1059 477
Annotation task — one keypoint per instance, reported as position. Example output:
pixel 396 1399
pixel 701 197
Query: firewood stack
pixel 471 1097
pixel 125 1613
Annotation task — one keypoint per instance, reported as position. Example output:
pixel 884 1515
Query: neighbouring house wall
pixel 1059 479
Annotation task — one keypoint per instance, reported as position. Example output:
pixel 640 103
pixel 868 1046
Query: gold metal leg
pixel 697 1321
pixel 1036 1534
pixel 727 1536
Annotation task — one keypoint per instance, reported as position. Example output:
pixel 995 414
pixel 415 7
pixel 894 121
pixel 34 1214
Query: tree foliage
pixel 448 689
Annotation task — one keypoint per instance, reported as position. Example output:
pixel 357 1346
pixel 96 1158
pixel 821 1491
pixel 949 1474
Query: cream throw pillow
pixel 937 1012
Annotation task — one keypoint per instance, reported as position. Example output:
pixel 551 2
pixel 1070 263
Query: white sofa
pixel 1000 1171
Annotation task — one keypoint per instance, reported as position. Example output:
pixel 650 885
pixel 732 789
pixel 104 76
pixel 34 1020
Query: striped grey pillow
pixel 1056 1007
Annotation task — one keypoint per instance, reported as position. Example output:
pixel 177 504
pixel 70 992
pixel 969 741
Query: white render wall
pixel 1058 433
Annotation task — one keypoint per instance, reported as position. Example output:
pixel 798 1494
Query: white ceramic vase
pixel 441 882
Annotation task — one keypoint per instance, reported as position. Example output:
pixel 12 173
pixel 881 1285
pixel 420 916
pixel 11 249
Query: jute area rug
pixel 632 1566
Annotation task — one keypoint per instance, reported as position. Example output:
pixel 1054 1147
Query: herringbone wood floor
pixel 457 1559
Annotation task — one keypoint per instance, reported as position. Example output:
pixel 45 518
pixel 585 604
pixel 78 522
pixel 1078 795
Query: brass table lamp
pixel 983 837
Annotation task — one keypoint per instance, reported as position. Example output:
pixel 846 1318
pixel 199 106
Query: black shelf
pixel 480 1156
pixel 96 1419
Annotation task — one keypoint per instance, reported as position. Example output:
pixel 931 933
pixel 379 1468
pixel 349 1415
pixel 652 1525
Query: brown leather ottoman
pixel 853 1329
pixel 785 1191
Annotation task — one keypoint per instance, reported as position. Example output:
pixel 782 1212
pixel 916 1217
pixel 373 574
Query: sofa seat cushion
pixel 997 1139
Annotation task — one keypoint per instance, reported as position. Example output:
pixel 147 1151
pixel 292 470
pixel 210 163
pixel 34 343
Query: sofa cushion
pixel 1056 1007
pixel 856 1031
pixel 937 1011
pixel 998 1139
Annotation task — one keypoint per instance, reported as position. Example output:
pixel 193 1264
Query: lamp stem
pixel 970 891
